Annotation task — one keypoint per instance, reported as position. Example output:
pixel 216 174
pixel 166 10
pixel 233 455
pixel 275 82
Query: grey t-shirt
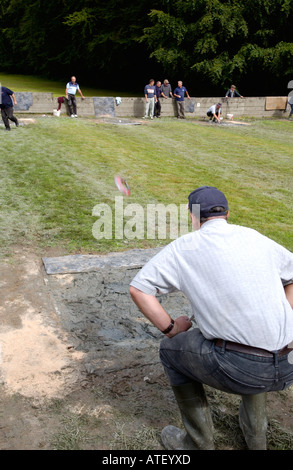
pixel 166 89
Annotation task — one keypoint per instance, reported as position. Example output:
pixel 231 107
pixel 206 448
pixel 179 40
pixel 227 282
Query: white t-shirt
pixel 232 276
pixel 213 109
pixel 72 88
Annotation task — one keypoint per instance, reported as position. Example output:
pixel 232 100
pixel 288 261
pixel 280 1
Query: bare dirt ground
pixel 72 378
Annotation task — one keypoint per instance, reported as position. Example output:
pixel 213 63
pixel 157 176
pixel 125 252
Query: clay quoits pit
pixel 91 298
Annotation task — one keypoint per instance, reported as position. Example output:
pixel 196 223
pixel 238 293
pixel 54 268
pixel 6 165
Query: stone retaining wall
pixel 45 103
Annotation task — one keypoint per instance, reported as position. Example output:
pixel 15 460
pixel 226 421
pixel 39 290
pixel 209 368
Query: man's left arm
pixel 80 92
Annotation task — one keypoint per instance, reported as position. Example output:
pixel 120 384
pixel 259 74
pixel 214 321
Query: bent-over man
pixel 240 287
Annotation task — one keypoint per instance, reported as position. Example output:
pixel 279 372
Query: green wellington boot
pixel 253 421
pixel 196 417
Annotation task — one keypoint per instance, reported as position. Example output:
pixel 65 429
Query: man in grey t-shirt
pixel 240 287
pixel 166 89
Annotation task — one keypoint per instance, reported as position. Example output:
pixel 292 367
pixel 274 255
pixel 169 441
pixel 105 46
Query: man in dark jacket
pixel 6 98
pixel 159 94
pixel 233 93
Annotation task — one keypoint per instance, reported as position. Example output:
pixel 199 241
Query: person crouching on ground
pixel 240 287
pixel 214 112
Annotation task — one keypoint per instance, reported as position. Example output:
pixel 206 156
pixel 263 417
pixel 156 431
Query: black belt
pixel 243 348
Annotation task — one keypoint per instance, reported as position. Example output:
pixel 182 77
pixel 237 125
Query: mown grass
pixel 31 83
pixel 53 173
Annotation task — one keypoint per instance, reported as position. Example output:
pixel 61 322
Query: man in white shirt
pixel 240 286
pixel 214 112
pixel 71 88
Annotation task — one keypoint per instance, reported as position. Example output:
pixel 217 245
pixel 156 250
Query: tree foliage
pixel 221 40
pixel 95 39
pixel 212 42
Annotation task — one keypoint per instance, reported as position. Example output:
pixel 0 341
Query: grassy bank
pixel 55 171
pixel 34 84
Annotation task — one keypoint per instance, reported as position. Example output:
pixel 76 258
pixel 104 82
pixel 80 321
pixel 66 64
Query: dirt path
pixel 72 379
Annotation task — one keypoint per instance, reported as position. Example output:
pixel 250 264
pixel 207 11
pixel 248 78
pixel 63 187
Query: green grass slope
pixel 54 172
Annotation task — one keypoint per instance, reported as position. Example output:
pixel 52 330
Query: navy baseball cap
pixel 208 197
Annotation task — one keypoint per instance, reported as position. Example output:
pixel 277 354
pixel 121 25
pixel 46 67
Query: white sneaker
pixel 72 115
pixel 75 115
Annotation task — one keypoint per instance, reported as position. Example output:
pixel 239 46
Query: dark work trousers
pixel 180 109
pixel 7 113
pixel 190 357
pixel 72 104
pixel 158 108
pixel 211 116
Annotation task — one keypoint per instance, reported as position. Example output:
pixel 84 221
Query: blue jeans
pixel 190 357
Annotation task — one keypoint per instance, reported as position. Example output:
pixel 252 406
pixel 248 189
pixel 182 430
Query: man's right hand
pixel 181 324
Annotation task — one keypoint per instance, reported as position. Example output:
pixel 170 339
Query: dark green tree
pixel 208 43
pixel 95 39
pixel 217 41
pixel 109 33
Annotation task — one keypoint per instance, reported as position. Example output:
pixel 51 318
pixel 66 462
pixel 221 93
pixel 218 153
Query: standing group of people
pixel 154 92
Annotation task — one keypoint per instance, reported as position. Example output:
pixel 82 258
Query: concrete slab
pixel 87 263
